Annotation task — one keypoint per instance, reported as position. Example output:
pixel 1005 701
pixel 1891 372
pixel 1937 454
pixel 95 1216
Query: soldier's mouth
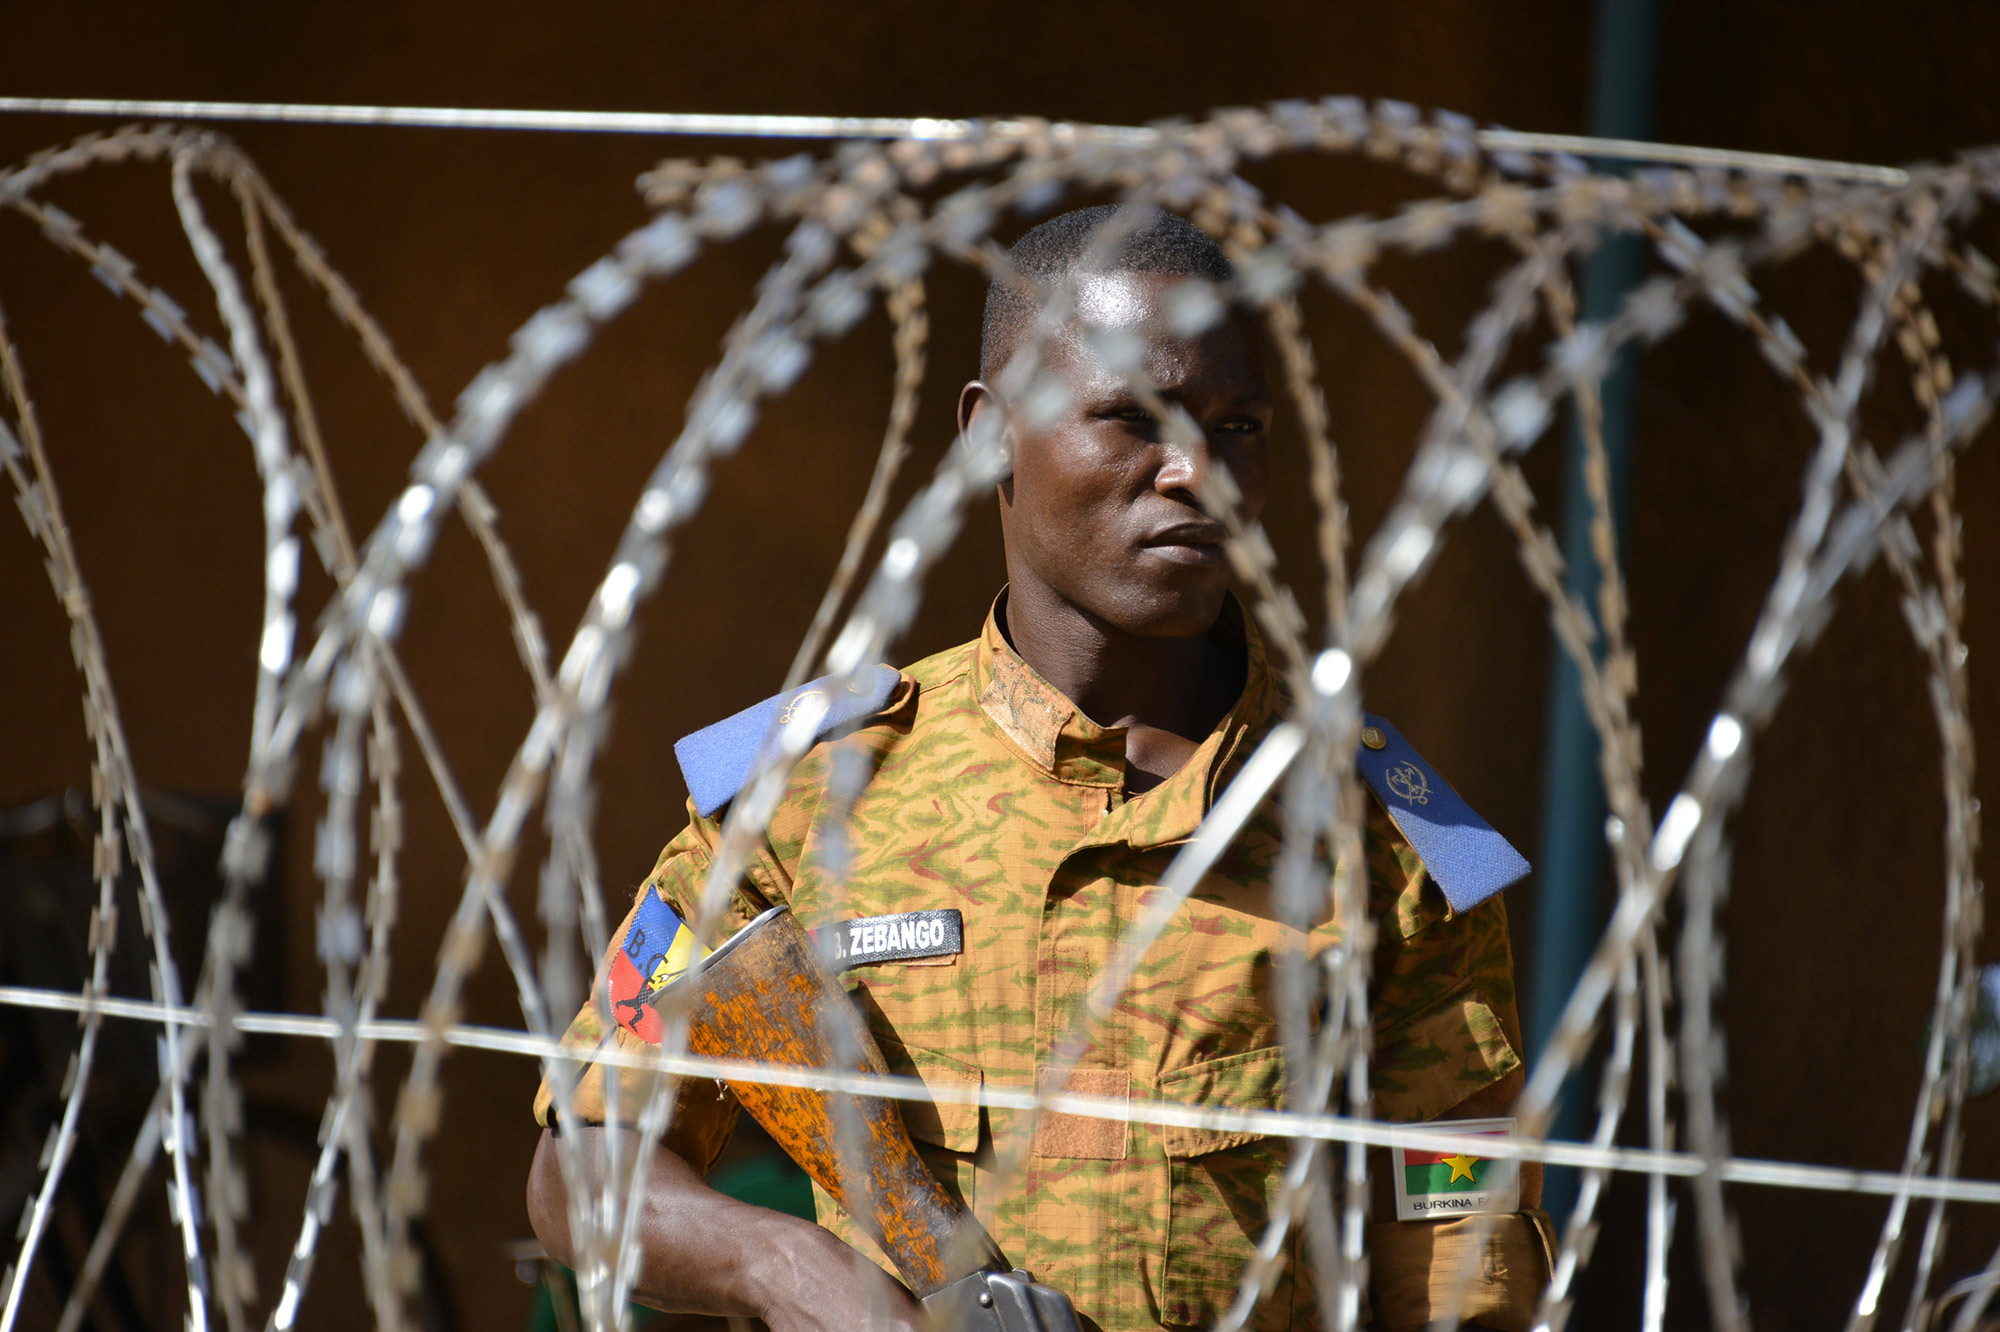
pixel 1188 543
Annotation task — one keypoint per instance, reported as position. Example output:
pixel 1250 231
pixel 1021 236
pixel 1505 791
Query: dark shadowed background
pixel 453 238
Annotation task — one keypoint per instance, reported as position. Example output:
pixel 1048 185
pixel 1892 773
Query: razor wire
pixel 884 203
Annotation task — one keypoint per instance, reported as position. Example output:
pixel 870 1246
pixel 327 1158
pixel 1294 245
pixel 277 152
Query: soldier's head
pixel 1099 514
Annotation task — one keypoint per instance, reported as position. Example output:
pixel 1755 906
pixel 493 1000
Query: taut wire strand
pixel 923 128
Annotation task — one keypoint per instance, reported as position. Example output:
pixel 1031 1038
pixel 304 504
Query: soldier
pixel 1029 789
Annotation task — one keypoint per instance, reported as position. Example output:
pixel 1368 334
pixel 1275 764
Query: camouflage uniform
pixel 995 796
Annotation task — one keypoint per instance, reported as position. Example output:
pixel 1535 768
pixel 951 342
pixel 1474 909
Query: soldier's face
pixel 1100 512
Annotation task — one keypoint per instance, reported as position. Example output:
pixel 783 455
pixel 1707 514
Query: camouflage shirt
pixel 994 795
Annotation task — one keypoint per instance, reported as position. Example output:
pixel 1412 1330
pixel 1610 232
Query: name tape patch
pixel 897 938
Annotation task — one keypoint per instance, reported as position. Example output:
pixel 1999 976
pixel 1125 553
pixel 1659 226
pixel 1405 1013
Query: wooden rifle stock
pixel 766 995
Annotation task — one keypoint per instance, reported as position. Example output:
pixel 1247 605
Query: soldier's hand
pixel 702 1252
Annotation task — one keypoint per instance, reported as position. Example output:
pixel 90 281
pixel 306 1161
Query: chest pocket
pixel 912 1001
pixel 1214 965
pixel 950 1118
pixel 946 1126
pixel 1221 1188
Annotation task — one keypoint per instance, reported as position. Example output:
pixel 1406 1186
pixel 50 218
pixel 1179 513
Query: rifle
pixel 765 994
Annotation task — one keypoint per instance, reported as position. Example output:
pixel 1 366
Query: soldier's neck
pixel 1167 693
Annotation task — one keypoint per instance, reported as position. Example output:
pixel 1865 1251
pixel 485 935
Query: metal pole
pixel 1571 868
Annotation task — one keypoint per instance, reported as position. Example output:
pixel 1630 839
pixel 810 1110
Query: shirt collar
pixel 1037 718
pixel 1049 731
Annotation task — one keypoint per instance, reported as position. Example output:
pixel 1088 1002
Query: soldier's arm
pixel 1494 1101
pixel 704 1252
pixel 1473 955
pixel 700 1251
pixel 1449 1047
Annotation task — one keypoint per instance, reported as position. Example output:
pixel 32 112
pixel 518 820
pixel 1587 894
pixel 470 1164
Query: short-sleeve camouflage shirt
pixel 994 795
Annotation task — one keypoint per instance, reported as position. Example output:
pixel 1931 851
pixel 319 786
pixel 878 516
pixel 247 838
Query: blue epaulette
pixel 718 760
pixel 1467 858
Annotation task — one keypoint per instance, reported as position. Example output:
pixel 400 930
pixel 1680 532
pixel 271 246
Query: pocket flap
pixel 952 1122
pixel 1254 1080
pixel 1429 1064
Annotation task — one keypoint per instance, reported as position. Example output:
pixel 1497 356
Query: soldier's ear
pixel 974 398
pixel 975 401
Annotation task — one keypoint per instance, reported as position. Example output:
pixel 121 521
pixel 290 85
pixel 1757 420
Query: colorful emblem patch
pixel 1431 1186
pixel 657 948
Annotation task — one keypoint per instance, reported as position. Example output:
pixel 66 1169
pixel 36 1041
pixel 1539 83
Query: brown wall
pixel 453 238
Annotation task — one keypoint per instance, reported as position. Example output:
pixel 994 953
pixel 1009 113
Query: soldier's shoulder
pixel 718 760
pixel 942 668
pixel 879 702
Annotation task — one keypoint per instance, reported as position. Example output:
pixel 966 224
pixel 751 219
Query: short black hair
pixel 1163 243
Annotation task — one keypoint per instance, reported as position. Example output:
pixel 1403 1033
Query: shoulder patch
pixel 1469 860
pixel 717 760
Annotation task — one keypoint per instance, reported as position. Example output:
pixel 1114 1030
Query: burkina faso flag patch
pixel 1433 1186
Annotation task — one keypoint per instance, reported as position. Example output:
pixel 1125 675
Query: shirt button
pixel 1372 737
